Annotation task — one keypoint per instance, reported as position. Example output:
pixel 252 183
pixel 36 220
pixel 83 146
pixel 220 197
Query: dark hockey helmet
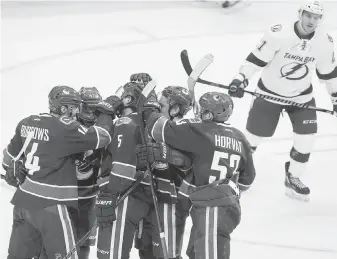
pixel 131 94
pixel 219 104
pixel 62 95
pixel 141 78
pixel 178 96
pixel 89 95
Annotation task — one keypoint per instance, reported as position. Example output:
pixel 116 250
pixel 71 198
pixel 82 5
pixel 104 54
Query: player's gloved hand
pixel 15 173
pixel 103 107
pixel 160 153
pixel 236 87
pixel 141 78
pixel 105 209
pixel 116 103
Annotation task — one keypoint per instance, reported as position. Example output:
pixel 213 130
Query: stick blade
pixel 186 62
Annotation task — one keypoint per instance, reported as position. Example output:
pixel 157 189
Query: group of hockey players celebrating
pixel 86 164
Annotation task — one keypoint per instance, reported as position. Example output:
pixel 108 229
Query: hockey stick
pixel 197 71
pixel 140 107
pixel 188 68
pixel 120 200
pixel 29 138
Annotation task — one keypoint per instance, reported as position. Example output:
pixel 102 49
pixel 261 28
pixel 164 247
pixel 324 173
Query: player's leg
pixel 304 122
pixel 213 226
pixel 143 237
pixel 25 241
pixel 57 230
pixel 262 121
pixel 168 216
pixel 85 220
pixel 128 215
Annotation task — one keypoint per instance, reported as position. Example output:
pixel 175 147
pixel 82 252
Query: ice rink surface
pixel 86 44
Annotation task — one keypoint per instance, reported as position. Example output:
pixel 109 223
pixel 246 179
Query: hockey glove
pixel 161 153
pixel 236 87
pixel 105 209
pixel 141 78
pixel 116 103
pixel 15 173
pixel 103 107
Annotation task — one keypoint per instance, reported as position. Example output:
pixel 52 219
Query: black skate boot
pixel 294 187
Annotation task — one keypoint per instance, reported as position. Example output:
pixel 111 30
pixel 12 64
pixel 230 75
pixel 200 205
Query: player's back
pixel 223 151
pixel 48 159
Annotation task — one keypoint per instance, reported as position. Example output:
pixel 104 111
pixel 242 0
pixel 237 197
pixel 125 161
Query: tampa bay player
pixel 289 55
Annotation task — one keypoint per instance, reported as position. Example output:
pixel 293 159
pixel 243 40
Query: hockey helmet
pixel 314 7
pixel 62 95
pixel 131 94
pixel 219 104
pixel 178 96
pixel 89 95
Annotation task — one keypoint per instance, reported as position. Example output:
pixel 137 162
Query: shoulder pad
pixel 330 38
pixel 67 120
pixel 184 121
pixel 123 120
pixel 276 27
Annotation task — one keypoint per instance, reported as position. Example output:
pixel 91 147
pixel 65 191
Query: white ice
pixel 94 45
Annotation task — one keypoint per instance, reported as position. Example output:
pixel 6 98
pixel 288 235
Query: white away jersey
pixel 290 61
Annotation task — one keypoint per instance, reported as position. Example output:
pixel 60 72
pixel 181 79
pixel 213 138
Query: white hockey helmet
pixel 314 7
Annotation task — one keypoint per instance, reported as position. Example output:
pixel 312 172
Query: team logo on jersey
pixel 123 120
pixel 276 27
pixel 294 71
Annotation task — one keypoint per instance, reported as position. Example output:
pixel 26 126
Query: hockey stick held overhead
pixel 188 69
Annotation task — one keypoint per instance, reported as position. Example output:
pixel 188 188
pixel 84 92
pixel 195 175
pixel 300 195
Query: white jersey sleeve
pixel 264 51
pixel 326 68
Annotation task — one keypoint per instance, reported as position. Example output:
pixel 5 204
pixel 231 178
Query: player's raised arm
pixel 326 69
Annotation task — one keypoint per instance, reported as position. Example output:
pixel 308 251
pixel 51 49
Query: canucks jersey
pixel 217 150
pixel 290 62
pixel 49 158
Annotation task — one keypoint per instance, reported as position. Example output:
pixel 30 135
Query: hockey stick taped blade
pixel 197 71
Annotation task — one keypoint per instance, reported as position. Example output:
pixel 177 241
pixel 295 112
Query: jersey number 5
pixel 32 162
pixel 234 161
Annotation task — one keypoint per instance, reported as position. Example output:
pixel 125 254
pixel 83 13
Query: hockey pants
pixel 211 229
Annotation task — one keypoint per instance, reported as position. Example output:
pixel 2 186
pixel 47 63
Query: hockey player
pixel 221 158
pixel 289 55
pixel 87 170
pixel 42 202
pixel 117 242
pixel 169 167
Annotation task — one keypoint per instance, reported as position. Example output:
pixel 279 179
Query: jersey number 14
pixel 32 162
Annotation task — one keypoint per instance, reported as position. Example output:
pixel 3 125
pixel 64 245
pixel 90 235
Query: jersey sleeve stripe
pixel 102 134
pixel 157 131
pixel 255 60
pixel 329 76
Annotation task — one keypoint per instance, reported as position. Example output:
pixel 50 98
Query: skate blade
pixel 294 195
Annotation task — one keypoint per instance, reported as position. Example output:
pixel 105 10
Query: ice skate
pixel 294 187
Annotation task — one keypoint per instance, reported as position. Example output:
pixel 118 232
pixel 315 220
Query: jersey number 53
pixel 234 161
